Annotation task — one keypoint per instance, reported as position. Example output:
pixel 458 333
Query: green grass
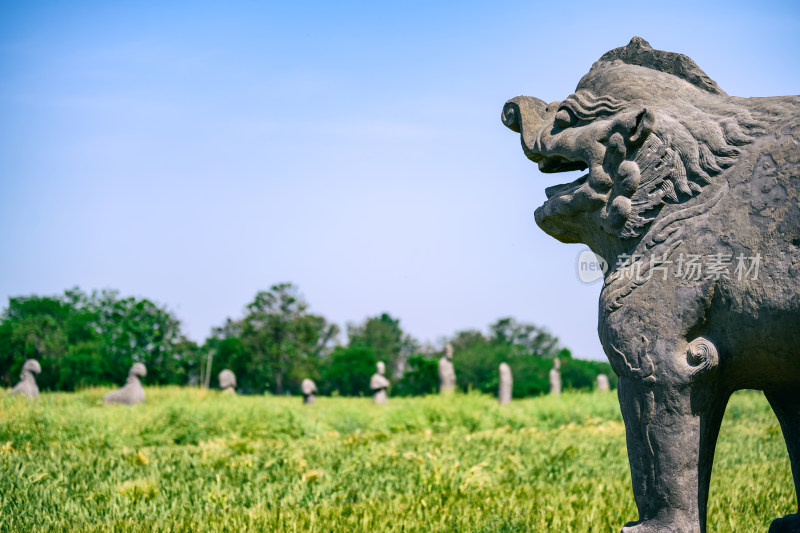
pixel 195 461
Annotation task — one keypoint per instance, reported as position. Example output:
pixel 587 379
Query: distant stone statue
pixel 555 377
pixel 506 384
pixel 379 384
pixel 602 383
pixel 309 390
pixel 692 198
pixel 27 381
pixel 447 373
pixel 132 392
pixel 227 381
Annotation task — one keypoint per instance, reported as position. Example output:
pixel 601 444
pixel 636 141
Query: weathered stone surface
pixel 602 383
pixel 379 384
pixel 132 392
pixel 227 381
pixel 506 384
pixel 555 377
pixel 27 381
pixel 309 390
pixel 693 198
pixel 447 372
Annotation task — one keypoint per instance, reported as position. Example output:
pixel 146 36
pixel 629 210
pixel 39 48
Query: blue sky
pixel 195 153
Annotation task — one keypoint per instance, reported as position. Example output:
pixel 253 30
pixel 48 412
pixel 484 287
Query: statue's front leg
pixel 786 404
pixel 672 412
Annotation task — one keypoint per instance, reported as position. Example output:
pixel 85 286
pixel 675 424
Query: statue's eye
pixel 564 118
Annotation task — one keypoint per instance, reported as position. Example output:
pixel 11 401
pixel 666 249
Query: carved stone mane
pixel 639 52
pixel 693 140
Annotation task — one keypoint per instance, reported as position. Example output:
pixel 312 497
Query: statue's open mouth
pixel 557 163
pixel 565 188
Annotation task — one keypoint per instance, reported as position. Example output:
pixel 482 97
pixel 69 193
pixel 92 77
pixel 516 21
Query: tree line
pixel 86 339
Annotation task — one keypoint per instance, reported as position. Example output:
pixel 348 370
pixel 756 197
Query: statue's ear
pixel 641 126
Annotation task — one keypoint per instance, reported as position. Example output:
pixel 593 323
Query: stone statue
pixel 27 381
pixel 309 389
pixel 132 392
pixel 506 384
pixel 602 383
pixel 555 377
pixel 379 384
pixel 447 373
pixel 693 198
pixel 227 381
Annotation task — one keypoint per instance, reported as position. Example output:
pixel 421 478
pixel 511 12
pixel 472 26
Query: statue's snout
pixel 523 113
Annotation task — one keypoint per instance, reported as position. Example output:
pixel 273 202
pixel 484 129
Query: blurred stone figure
pixel 132 392
pixel 447 372
pixel 309 389
pixel 27 382
pixel 602 383
pixel 378 383
pixel 227 381
pixel 555 377
pixel 506 384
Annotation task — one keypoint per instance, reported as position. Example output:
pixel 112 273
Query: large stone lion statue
pixel 693 198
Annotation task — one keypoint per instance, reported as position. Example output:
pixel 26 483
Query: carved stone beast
pixel 693 198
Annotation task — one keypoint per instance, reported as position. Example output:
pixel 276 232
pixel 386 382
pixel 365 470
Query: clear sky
pixel 194 153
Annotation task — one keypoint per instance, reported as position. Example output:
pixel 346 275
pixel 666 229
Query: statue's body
pixel 680 173
pixel 447 372
pixel 309 390
pixel 132 392
pixel 27 381
pixel 227 381
pixel 379 384
pixel 506 385
pixel 555 378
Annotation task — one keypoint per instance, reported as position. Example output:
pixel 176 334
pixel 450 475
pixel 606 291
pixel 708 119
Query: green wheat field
pixel 191 460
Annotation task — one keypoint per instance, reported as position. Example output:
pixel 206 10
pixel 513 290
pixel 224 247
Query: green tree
pixel 33 327
pixel 138 330
pixel 279 341
pixel 347 371
pixel 580 374
pixel 527 338
pixel 421 376
pixel 88 339
pixel 528 350
pixel 383 335
pixel 229 352
pixel 477 358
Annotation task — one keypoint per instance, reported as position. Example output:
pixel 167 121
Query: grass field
pixel 195 461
